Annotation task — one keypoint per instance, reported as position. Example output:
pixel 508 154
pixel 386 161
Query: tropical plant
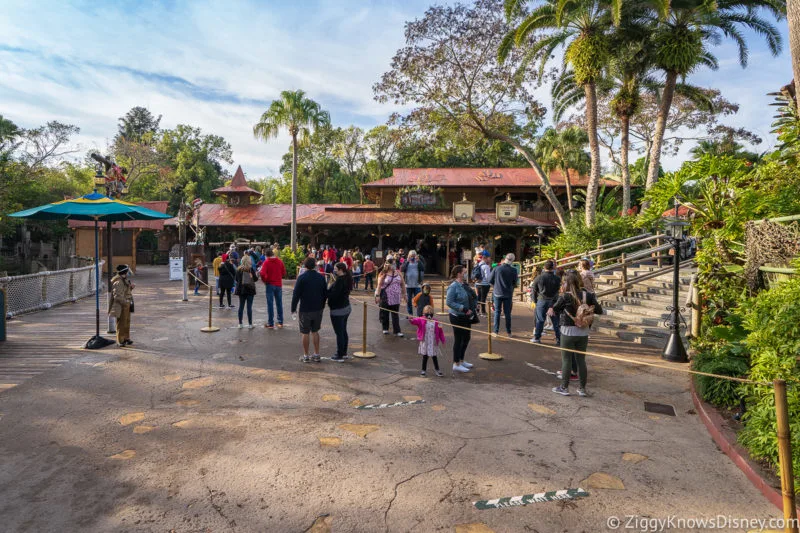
pixel 300 116
pixel 684 31
pixel 582 27
pixel 564 151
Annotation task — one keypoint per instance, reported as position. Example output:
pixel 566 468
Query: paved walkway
pixel 188 431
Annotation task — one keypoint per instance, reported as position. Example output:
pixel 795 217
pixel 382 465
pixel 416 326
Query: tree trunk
pixel 594 149
pixel 625 124
pixel 546 188
pixel 661 126
pixel 565 170
pixel 294 193
pixel 793 18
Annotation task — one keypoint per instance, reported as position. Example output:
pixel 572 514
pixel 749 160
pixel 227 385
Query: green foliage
pixel 678 48
pixel 722 360
pixel 577 239
pixel 289 261
pixel 588 55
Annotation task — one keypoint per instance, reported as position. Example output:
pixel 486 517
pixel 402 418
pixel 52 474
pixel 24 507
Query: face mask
pixel 429 315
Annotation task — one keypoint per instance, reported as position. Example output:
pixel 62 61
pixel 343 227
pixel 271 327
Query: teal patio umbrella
pixel 98 208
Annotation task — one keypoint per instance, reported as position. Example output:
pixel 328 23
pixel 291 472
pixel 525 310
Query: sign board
pixel 176 269
pixel 419 199
pixel 466 255
pixel 463 210
pixel 507 211
pixel 378 254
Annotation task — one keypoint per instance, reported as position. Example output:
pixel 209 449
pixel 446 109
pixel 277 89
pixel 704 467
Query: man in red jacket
pixel 272 273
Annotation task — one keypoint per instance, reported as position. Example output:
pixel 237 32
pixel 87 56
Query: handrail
pixel 633 257
pixel 602 247
pixel 790 218
pixel 644 277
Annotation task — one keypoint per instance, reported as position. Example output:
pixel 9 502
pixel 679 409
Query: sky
pixel 218 65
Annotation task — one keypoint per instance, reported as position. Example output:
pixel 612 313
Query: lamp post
pixel 182 238
pixel 674 351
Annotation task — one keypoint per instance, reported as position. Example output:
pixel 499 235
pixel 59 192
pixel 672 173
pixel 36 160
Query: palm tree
pixel 299 115
pixel 564 151
pixel 582 27
pixel 684 30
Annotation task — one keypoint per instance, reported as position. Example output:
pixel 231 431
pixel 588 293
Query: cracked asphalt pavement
pixel 229 431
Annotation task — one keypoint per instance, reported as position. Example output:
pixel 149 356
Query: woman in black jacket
pixel 246 289
pixel 227 277
pixel 573 337
pixel 339 303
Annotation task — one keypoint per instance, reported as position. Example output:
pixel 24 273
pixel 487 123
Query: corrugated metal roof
pixel 358 216
pixel 238 185
pixel 477 177
pixel 154 225
pixel 255 215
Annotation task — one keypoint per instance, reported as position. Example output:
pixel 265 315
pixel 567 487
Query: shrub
pixel 289 261
pixel 726 360
pixel 577 239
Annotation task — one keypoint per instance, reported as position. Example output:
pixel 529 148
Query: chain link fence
pixel 43 290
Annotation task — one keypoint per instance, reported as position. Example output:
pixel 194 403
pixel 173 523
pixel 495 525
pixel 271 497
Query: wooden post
pixel 489 355
pixel 697 312
pixel 622 260
pixel 599 255
pixel 443 311
pixel 785 456
pixel 209 328
pixel 658 254
pixel 364 354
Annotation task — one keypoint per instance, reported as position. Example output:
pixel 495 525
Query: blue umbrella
pixel 92 207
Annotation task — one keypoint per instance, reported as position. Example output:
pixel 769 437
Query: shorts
pixel 310 322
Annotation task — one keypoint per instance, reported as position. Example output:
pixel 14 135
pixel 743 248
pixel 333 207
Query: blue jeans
pixel 541 315
pixel 410 293
pixel 249 301
pixel 274 293
pixel 502 305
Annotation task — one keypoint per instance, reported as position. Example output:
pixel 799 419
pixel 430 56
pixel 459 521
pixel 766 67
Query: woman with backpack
pixel 246 289
pixel 576 308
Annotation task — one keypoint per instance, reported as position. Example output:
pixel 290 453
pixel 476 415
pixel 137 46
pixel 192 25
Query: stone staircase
pixel 639 317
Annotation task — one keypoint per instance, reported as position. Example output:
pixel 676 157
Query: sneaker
pixel 222 307
pixel 439 373
pixel 400 334
pixel 510 335
pixel 466 365
pixel 572 377
pixel 558 342
pixel 337 359
pixel 582 392
pixel 459 368
pixel 250 326
pixel 534 340
pixel 127 342
pixel 423 373
pixel 239 326
pixel 316 358
pixel 386 332
pixel 306 359
pixel 231 307
pixel 561 390
pixel 269 326
pixel 280 326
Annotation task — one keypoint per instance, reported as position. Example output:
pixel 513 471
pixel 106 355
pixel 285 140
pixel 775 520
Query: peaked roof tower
pixel 238 192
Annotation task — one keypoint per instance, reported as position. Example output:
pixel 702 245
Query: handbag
pixel 383 299
pixel 474 319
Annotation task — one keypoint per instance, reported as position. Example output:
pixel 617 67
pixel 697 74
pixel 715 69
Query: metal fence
pixel 43 290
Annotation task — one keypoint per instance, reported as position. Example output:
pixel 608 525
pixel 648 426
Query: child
pixel 423 300
pixel 198 275
pixel 356 273
pixel 430 336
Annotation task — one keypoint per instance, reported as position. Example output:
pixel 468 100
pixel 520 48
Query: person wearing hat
pixel 121 301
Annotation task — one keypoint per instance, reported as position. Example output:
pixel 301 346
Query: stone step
pixel 637 319
pixel 655 342
pixel 610 325
pixel 638 298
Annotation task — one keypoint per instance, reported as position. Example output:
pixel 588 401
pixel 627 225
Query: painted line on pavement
pixel 385 405
pixel 499 503
pixel 537 367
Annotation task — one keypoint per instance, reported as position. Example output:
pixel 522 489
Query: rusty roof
pixel 254 215
pixel 151 225
pixel 238 185
pixel 477 177
pixel 366 216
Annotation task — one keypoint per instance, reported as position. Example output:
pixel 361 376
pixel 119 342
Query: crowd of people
pixel 564 300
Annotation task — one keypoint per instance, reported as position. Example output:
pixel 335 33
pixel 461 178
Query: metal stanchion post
pixel 785 456
pixel 444 305
pixel 364 354
pixel 697 312
pixel 489 355
pixel 209 328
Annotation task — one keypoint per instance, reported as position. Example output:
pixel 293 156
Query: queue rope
pixel 591 354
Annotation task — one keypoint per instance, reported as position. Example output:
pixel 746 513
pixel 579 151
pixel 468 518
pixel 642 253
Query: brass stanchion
pixel 209 328
pixel 489 355
pixel 697 311
pixel 444 305
pixel 785 456
pixel 364 354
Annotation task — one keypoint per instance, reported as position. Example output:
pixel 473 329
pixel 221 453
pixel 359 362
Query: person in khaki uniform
pixel 121 300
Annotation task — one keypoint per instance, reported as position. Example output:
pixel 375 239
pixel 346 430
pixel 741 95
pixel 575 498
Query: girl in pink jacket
pixel 430 335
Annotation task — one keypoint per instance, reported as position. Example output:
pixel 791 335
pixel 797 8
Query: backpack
pixel 477 273
pixel 584 316
pixel 248 280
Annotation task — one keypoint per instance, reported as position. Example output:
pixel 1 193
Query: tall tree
pixel 793 17
pixel 450 71
pixel 137 124
pixel 300 116
pixel 582 27
pixel 684 33
pixel 564 150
